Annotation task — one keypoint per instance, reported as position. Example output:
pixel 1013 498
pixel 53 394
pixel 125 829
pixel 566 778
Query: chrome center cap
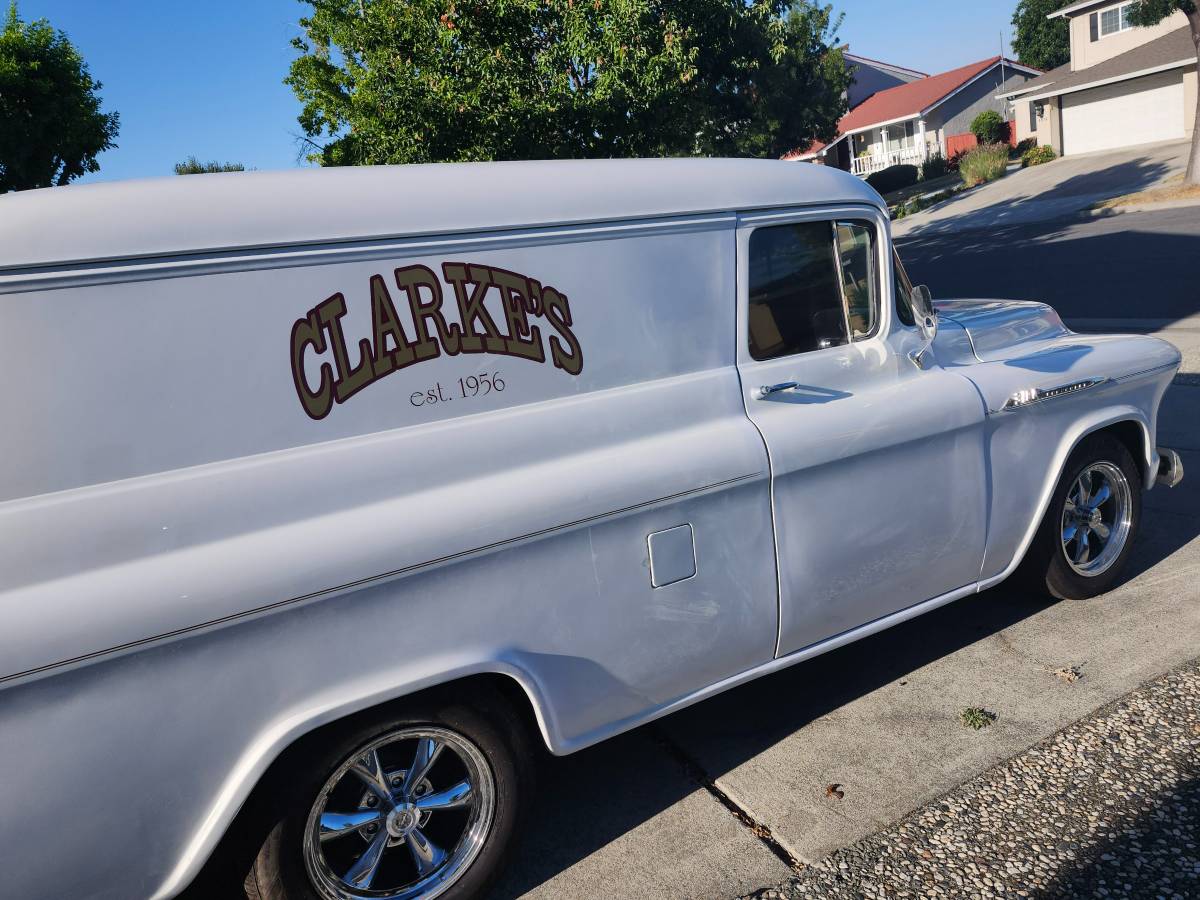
pixel 403 819
pixel 1093 518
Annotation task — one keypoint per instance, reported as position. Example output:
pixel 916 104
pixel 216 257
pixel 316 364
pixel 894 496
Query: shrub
pixel 1024 147
pixel 989 128
pixel 986 163
pixel 893 178
pixel 934 167
pixel 953 162
pixel 1035 156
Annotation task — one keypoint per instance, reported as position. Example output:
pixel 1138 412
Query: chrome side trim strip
pixel 382 577
pixel 1029 396
pixel 1143 373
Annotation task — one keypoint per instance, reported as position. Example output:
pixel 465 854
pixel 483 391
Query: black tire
pixel 1046 567
pixel 279 871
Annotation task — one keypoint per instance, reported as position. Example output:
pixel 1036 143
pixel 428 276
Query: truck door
pixel 877 465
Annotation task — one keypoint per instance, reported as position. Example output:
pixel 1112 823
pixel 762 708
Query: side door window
pixel 812 285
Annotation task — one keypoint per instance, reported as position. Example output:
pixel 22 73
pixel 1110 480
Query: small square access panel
pixel 672 555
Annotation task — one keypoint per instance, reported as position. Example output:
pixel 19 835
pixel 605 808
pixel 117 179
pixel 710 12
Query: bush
pixel 989 128
pixel 1035 156
pixel 986 163
pixel 1024 147
pixel 955 159
pixel 893 178
pixel 934 167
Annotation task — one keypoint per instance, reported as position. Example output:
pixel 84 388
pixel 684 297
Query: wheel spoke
pixel 335 824
pixel 1101 495
pixel 370 772
pixel 1081 547
pixel 1085 489
pixel 1069 532
pixel 450 798
pixel 1101 531
pixel 362 873
pixel 426 854
pixel 428 751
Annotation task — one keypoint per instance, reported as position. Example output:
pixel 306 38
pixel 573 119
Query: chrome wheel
pixel 1096 519
pixel 403 818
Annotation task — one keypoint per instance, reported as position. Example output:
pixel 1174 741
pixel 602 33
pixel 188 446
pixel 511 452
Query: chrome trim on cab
pixel 1029 396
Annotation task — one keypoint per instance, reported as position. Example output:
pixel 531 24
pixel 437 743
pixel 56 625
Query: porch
pixel 863 166
pixel 898 143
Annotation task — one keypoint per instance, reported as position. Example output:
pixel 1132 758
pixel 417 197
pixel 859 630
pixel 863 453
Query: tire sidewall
pixel 1061 579
pixel 279 872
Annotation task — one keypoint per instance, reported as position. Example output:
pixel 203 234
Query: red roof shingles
pixel 909 99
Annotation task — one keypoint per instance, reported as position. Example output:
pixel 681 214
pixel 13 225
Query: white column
pixel 884 136
pixel 921 138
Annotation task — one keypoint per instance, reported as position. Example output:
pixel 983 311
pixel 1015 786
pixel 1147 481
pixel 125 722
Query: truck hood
pixel 1012 347
pixel 994 328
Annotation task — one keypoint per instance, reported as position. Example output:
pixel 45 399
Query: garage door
pixel 1120 115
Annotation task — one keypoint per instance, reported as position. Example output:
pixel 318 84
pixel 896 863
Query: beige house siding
pixel 1085 52
pixel 1189 100
pixel 1024 132
pixel 1053 128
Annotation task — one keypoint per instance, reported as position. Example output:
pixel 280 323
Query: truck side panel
pixel 196 570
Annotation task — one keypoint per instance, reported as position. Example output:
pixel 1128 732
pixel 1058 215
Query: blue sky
pixel 207 79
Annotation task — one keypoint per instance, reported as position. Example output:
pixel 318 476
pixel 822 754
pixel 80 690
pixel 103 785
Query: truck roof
pixel 242 210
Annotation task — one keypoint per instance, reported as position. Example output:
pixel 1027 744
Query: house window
pixel 1115 19
pixel 1033 116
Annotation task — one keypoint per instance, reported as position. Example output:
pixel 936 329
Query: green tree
pixel 1038 41
pixel 51 126
pixel 391 81
pixel 1151 12
pixel 193 166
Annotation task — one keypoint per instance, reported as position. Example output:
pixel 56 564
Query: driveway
pixel 1052 190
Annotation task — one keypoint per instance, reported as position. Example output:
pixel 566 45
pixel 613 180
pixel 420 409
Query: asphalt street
pixel 1140 265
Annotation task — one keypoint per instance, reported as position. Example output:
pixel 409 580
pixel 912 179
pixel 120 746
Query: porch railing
pixel 874 162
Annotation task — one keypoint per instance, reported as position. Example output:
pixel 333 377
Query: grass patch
pixel 977 717
pixel 1174 189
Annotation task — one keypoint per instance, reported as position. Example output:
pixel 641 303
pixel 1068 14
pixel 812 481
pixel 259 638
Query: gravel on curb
pixel 1108 807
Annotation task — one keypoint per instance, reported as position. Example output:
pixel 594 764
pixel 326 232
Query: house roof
pixel 908 100
pixel 891 67
pixel 1167 52
pixel 1074 8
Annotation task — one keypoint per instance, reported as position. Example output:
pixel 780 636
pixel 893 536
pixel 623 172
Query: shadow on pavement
pixel 1156 854
pixel 1099 271
pixel 591 798
pixel 1117 180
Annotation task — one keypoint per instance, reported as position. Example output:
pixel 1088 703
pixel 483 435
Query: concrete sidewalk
pixel 1058 189
pixel 713 801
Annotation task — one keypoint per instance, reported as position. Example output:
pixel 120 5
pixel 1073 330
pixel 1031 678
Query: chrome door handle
pixel 768 389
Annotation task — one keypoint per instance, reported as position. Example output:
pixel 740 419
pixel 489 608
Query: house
pixel 870 76
pixel 1124 85
pixel 910 122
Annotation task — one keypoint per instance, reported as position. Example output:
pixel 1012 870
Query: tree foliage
pixel 390 81
pixel 51 126
pixel 193 166
pixel 1040 42
pixel 1151 12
